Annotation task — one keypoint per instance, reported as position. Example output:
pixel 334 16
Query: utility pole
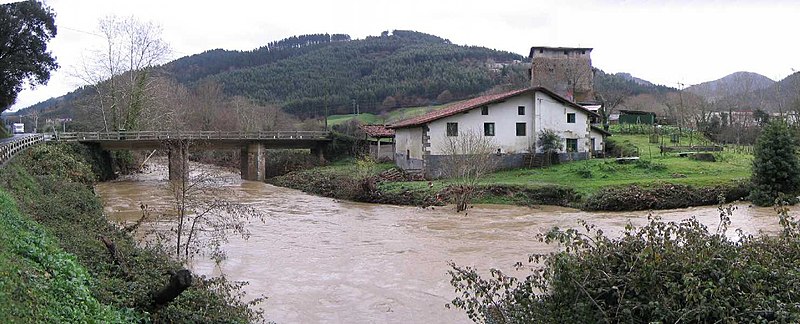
pixel 680 97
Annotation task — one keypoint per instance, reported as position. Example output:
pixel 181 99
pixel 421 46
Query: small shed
pixel 375 135
pixel 637 117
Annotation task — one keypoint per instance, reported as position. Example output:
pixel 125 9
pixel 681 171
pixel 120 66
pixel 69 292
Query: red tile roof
pixel 377 131
pixel 601 131
pixel 470 104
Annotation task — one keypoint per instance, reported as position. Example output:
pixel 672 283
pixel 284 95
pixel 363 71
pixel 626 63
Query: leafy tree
pixel 25 29
pixel 776 169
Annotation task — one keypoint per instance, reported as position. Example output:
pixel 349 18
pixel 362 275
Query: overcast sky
pixel 665 42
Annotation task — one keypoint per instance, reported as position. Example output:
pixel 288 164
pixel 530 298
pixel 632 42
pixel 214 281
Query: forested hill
pixel 307 74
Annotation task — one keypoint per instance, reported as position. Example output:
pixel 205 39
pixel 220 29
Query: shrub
pixel 662 196
pixel 663 272
pixel 615 148
pixel 542 195
pixel 280 162
pixel 650 165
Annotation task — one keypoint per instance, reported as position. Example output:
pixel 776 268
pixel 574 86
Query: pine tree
pixel 776 169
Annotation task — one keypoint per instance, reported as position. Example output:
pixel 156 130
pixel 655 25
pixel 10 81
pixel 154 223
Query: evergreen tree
pixel 776 169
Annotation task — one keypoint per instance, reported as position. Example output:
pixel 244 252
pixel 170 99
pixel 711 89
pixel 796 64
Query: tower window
pixel 485 110
pixel 520 110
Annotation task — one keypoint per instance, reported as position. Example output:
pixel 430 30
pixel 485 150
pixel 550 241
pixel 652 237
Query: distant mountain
pixel 625 85
pixel 308 75
pixel 739 84
pixel 628 76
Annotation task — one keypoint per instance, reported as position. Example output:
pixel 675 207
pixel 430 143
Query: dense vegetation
pixel 402 69
pixel 776 168
pixel 663 272
pixel 56 267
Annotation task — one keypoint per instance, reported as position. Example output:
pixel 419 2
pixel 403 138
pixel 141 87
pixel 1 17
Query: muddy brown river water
pixel 320 260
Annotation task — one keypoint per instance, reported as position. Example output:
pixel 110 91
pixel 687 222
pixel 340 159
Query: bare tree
pixel 121 73
pixel 205 217
pixel 208 98
pixel 467 158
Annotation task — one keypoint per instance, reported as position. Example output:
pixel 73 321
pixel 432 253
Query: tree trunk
pixel 178 282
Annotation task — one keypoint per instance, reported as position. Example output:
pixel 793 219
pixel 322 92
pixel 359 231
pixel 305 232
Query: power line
pixel 82 31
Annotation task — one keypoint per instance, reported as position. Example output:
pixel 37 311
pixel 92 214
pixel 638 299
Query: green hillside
pixel 375 74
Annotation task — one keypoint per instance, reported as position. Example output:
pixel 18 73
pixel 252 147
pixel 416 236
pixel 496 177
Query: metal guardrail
pixel 196 135
pixel 11 148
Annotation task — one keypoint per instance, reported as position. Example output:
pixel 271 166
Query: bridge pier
pixel 318 151
pixel 253 162
pixel 178 161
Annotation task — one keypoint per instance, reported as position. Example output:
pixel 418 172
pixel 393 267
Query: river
pixel 321 260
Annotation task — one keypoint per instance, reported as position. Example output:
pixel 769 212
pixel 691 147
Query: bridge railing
pixel 11 148
pixel 194 135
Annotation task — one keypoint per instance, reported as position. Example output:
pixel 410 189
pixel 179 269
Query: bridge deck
pixel 198 139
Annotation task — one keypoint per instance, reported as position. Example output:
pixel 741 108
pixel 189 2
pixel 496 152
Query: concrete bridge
pixel 13 145
pixel 252 145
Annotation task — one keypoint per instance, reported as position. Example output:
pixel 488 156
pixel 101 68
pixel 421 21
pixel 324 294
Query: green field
pixel 588 176
pixel 388 118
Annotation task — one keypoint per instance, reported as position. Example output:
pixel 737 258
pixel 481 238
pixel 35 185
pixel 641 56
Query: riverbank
pixel 652 182
pixel 329 260
pixel 81 268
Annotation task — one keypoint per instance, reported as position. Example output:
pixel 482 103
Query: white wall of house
pixel 551 114
pixel 505 117
pixel 599 143
pixel 417 148
pixel 409 140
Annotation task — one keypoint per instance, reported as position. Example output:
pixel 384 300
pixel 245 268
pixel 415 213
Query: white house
pixel 513 119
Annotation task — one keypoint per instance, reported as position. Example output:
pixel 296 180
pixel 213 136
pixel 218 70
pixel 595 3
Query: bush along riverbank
pixel 664 196
pixel 113 279
pixel 348 183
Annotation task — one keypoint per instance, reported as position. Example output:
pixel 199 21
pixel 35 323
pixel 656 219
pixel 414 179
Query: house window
pixel 452 129
pixel 485 110
pixel 571 118
pixel 521 110
pixel 572 145
pixel 488 129
pixel 521 127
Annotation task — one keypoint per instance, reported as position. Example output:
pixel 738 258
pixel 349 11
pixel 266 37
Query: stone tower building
pixel 566 71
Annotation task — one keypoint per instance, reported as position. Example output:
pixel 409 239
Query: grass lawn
pixel 588 176
pixel 388 118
